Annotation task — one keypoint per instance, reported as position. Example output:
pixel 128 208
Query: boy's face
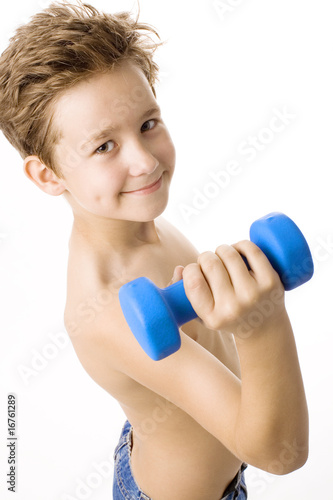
pixel 110 176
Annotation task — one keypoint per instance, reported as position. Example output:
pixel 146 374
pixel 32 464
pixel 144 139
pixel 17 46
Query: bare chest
pixel 93 285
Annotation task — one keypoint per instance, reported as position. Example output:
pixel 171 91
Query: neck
pixel 121 236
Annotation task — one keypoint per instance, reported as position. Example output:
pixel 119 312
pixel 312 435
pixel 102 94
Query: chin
pixel 146 212
pixel 150 214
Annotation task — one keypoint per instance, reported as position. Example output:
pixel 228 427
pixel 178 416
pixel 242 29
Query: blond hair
pixel 61 46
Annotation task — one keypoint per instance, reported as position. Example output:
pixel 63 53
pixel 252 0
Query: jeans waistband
pixel 232 491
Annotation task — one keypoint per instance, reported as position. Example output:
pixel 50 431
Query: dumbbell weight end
pixel 283 243
pixel 169 308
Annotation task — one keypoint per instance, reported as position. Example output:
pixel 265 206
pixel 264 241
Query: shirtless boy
pixel 78 102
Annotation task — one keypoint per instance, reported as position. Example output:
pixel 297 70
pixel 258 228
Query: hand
pixel 225 294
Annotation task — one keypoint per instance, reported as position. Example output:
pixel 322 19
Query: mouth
pixel 146 189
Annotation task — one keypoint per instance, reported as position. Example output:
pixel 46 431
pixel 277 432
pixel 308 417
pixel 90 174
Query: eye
pixel 148 125
pixel 104 148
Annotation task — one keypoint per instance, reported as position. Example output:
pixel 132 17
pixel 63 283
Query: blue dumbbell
pixel 154 315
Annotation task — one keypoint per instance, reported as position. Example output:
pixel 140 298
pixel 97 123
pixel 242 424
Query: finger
pixel 177 275
pixel 215 273
pixel 197 290
pixel 235 266
pixel 261 268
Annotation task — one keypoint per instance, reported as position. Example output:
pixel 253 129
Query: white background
pixel 225 70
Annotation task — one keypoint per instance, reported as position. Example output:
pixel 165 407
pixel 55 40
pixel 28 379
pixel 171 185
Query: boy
pixel 78 102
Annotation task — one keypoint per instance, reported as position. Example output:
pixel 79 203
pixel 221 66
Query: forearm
pixel 270 412
pixel 273 416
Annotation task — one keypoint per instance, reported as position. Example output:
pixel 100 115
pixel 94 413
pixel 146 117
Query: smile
pixel 147 189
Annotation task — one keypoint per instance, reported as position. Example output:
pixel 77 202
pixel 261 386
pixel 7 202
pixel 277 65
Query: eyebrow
pixel 105 132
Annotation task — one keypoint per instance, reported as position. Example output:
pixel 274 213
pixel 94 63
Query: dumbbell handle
pixel 178 303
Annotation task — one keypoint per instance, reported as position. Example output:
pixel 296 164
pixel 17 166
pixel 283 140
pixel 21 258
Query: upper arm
pixel 192 378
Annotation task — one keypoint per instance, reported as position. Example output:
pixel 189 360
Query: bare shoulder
pixel 93 281
pixel 92 304
pixel 91 311
pixel 180 248
pixel 175 233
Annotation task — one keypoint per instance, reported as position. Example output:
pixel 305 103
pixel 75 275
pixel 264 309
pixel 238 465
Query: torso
pixel 173 456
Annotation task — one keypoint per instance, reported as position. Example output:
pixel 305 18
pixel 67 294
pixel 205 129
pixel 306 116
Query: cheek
pixel 112 180
pixel 95 185
pixel 167 151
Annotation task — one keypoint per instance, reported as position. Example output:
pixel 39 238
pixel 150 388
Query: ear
pixel 43 176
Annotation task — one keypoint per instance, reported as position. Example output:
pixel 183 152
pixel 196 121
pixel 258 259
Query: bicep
pixel 192 378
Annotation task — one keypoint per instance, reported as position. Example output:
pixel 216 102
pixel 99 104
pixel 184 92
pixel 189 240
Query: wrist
pixel 262 322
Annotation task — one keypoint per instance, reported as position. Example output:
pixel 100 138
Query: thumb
pixel 177 275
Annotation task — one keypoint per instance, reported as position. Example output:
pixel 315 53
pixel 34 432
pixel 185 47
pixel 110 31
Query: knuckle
pixel 213 318
pixel 227 254
pixel 269 283
pixel 250 297
pixel 208 261
pixel 254 248
pixel 232 312
pixel 249 247
pixel 221 247
pixel 272 281
pixel 212 266
pixel 204 257
pixel 243 244
pixel 192 277
pixel 213 324
pixel 216 317
pixel 224 250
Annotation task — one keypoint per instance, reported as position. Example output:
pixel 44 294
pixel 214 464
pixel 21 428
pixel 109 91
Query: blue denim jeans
pixel 125 486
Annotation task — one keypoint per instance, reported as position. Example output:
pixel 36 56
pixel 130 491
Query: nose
pixel 140 159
